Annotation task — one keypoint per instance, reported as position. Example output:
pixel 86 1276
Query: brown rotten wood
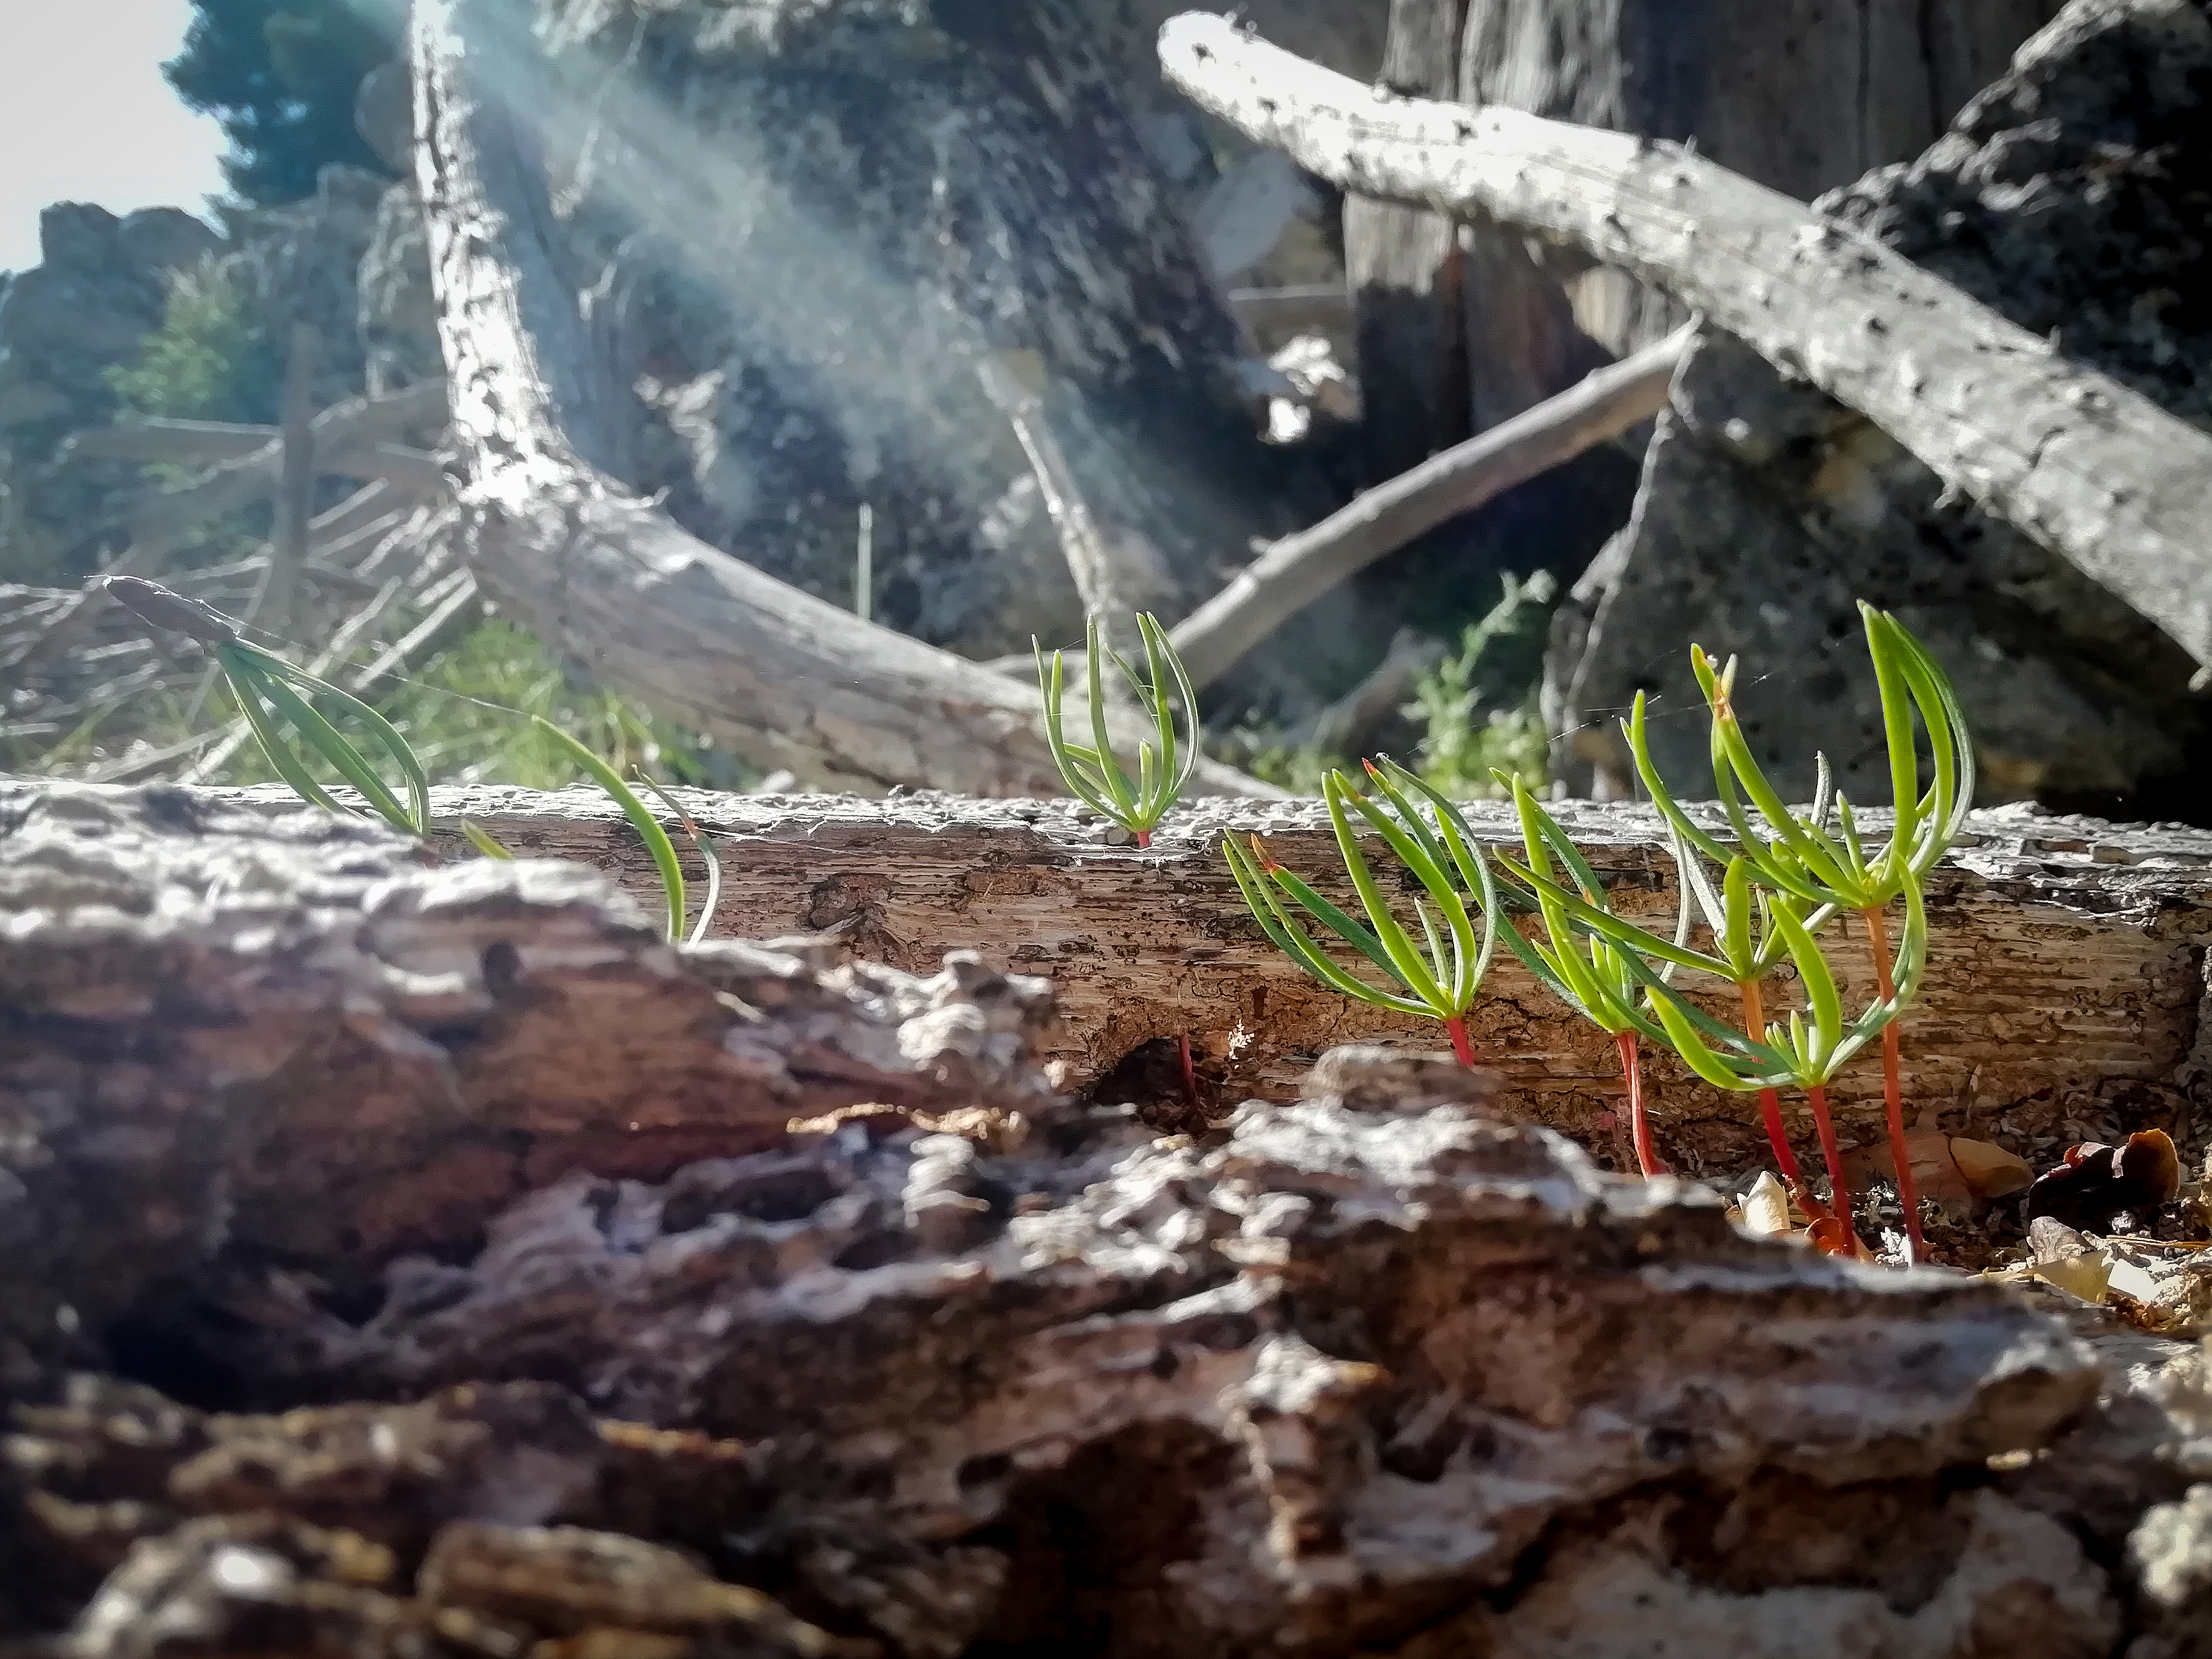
pixel 779 675
pixel 2066 954
pixel 1298 569
pixel 2095 471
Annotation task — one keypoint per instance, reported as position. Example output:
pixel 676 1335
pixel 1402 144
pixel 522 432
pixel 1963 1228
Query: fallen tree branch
pixel 2093 470
pixel 780 676
pixel 2066 956
pixel 366 421
pixel 1298 569
pixel 348 433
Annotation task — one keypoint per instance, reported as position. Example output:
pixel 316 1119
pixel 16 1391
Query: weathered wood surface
pixel 2066 980
pixel 2092 469
pixel 299 1124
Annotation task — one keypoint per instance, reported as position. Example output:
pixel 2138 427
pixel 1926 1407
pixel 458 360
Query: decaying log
pixel 412 1046
pixel 2066 985
pixel 782 677
pixel 297 1119
pixel 1299 569
pixel 2092 469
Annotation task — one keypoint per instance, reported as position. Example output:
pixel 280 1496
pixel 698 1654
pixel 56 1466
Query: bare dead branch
pixel 2093 470
pixel 1298 569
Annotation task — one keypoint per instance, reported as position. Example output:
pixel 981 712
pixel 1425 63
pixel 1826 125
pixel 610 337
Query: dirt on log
pixel 1373 1370
pixel 2067 985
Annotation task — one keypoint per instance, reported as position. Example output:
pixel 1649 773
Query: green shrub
pixel 211 359
pixel 1478 705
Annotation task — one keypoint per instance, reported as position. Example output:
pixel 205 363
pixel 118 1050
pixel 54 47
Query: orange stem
pixel 1639 1127
pixel 1770 1101
pixel 1189 1072
pixel 1893 1088
pixel 1456 1026
pixel 1143 838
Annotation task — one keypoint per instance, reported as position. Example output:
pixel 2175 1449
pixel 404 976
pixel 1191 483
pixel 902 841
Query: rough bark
pixel 414 1046
pixel 960 186
pixel 300 1121
pixel 1404 266
pixel 2065 985
pixel 779 675
pixel 2090 468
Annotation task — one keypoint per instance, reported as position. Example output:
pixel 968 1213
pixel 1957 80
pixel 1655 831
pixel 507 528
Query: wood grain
pixel 2067 972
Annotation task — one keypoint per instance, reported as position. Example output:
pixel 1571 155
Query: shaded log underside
pixel 2065 985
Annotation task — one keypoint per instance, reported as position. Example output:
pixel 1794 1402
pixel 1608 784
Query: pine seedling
pixel 1833 871
pixel 1587 957
pixel 269 692
pixel 1165 765
pixel 1747 945
pixel 278 699
pixel 1092 774
pixel 1441 977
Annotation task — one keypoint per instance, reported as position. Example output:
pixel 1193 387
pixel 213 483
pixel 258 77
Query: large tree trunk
pixel 810 239
pixel 783 676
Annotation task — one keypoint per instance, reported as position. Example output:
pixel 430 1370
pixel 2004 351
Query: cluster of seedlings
pixel 1779 885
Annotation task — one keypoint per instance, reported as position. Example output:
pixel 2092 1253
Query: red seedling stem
pixel 1143 838
pixel 1456 1027
pixel 1770 1101
pixel 1838 1184
pixel 1893 1088
pixel 1639 1127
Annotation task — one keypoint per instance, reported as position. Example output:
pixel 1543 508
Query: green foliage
pixel 459 714
pixel 1164 764
pixel 210 359
pixel 280 75
pixel 648 827
pixel 1442 978
pixel 1478 706
pixel 292 712
pixel 1299 770
pixel 1796 852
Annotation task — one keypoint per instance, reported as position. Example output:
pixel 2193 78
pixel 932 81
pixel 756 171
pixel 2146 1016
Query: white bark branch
pixel 2098 473
pixel 1298 569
